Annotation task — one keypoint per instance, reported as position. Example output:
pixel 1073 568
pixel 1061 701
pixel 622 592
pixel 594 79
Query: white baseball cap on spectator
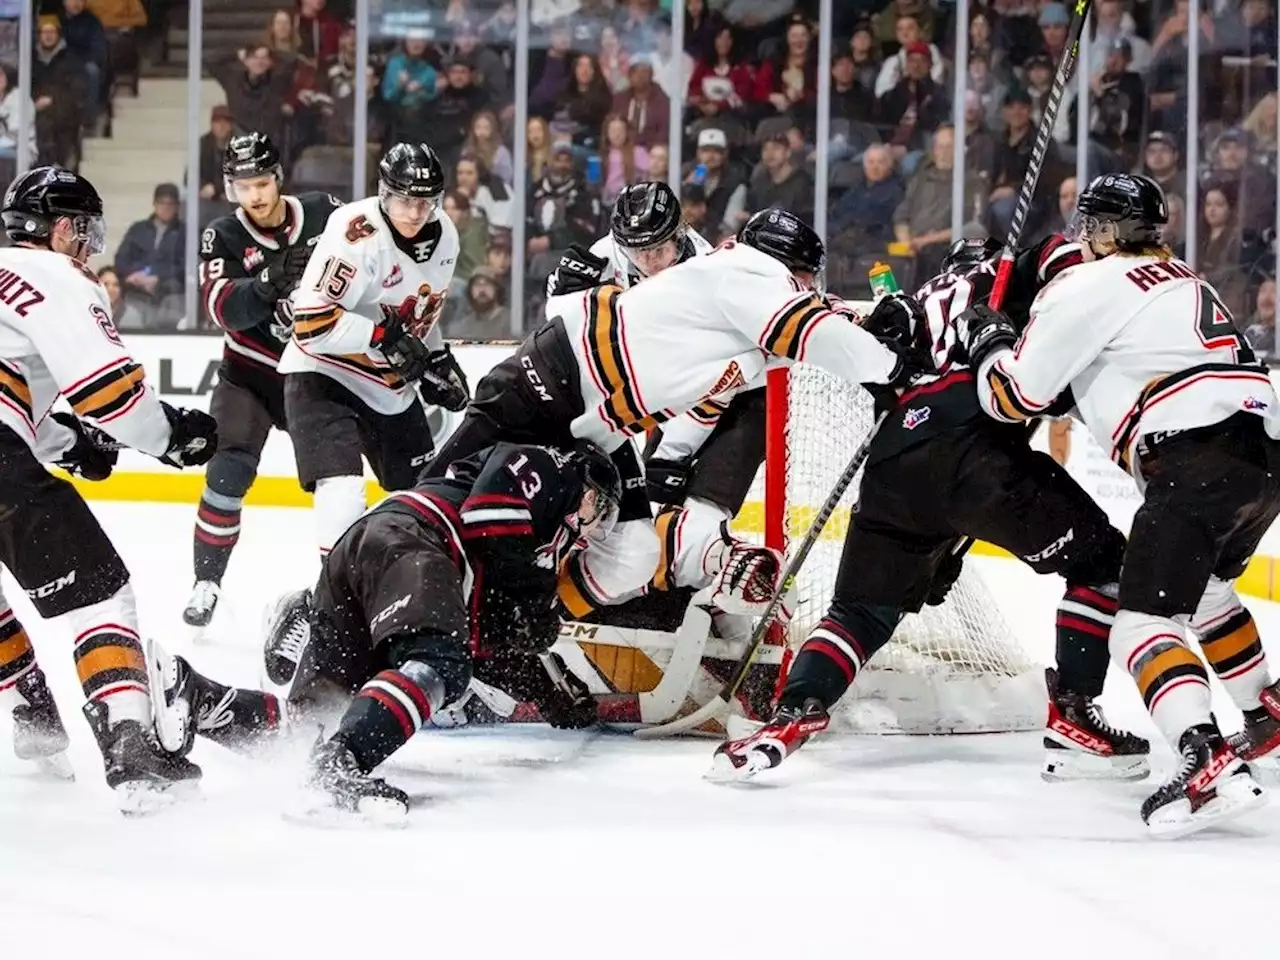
pixel 713 137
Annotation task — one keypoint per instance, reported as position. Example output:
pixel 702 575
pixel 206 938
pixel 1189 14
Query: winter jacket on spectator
pixel 565 211
pixel 59 75
pixel 445 124
pixel 402 73
pixel 320 35
pixel 546 93
pixel 211 154
pixel 731 86
pixel 647 110
pixel 147 244
pixel 926 207
pixel 9 124
pixel 119 14
pixel 85 36
pixel 869 207
pixel 794 192
pixel 473 244
pixel 895 68
pixel 256 102
pixel 726 198
pixel 912 110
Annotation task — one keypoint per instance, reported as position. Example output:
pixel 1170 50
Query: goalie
pixel 455 575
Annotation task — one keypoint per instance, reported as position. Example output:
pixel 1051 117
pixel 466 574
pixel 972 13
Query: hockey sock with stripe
pixel 1173 682
pixel 387 711
pixel 216 531
pixel 17 658
pixel 1234 650
pixel 1084 620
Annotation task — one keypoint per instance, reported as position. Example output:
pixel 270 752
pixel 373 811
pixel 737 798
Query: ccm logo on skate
pixel 535 380
pixel 52 587
pixel 395 606
pixel 1076 735
pixel 1052 548
pixel 1216 765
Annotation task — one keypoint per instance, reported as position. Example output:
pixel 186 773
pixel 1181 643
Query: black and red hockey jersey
pixel 501 516
pixel 233 253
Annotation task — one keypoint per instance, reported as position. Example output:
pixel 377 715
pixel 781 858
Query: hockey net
pixel 953 668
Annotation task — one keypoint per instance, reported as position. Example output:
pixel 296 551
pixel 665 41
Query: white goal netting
pixel 955 668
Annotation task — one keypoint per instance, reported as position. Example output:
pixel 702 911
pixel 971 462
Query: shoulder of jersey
pixel 317 201
pixel 750 260
pixel 64 274
pixel 701 245
pixel 357 221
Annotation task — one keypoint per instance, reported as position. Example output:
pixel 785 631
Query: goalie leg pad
pixel 836 649
pixel 1230 641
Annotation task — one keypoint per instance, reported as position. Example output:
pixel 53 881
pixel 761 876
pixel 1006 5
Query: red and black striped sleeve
pixel 227 290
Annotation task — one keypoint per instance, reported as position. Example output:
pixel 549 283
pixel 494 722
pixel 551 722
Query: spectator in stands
pixel 989 90
pixel 1175 231
pixel 702 27
pixel 756 20
pixel 723 87
pixel 500 28
pixel 1012 155
pixel 562 209
pixel 1249 31
pixel 790 82
pixel 10 96
pixel 409 85
pixel 319 31
pixel 58 85
pixel 151 259
pixel 336 98
pixel 585 102
pixel 255 91
pixel 484 314
pixel 623 161
pixel 498 257
pixel 473 239
pixel 86 38
pixel 660 162
pixel 614 60
pixel 537 147
pixel 1111 23
pixel 1161 163
pixel 979 144
pixel 124 315
pixel 724 185
pixel 914 107
pixel 1255 188
pixel 636 23
pixel 693 209
pixel 489 196
pixel 867 210
pixel 850 100
pixel 1168 73
pixel 1017 31
pixel 557 73
pixel 1053 23
pixel 491 73
pixel 645 107
pixel 1260 328
pixel 282 38
pixel 866 55
pixel 1261 126
pixel 1068 192
pixel 907 30
pixel 779 182
pixel 1038 73
pixel 982 45
pixel 923 218
pixel 1218 246
pixel 1119 105
pixel 213 146
pixel 485 142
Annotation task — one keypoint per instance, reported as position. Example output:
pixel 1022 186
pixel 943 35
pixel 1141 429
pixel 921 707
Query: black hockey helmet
pixel 1133 204
pixel 250 155
pixel 598 473
pixel 43 195
pixel 645 215
pixel 789 240
pixel 966 253
pixel 412 170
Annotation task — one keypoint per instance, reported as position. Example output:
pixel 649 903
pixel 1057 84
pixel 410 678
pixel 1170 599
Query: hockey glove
pixel 92 456
pixel 406 354
pixel 984 331
pixel 894 320
pixel 444 384
pixel 279 279
pixel 579 269
pixel 667 480
pixel 193 437
pixel 568 704
pixel 747 577
pixel 944 578
pixel 282 320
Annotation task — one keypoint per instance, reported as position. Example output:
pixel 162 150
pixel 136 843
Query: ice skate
pixel 1260 736
pixel 38 733
pixel 144 776
pixel 1212 786
pixel 789 730
pixel 202 603
pixel 288 633
pixel 1079 744
pixel 172 685
pixel 335 773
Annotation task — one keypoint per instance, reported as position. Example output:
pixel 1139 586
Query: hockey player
pixel 366 343
pixel 938 470
pixel 57 339
pixel 1154 366
pixel 612 364
pixel 458 572
pixel 250 262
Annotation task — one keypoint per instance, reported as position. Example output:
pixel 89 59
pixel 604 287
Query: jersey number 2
pixel 336 278
pixel 1218 327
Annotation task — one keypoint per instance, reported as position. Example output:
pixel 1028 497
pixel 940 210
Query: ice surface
pixel 532 843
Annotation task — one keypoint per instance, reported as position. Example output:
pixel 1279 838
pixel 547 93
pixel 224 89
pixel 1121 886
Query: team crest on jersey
pixel 1254 404
pixel 253 257
pixel 396 276
pixel 915 416
pixel 106 325
pixel 731 378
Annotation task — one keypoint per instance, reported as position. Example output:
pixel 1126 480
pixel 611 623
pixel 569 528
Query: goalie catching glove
pixel 746 577
pixel 579 269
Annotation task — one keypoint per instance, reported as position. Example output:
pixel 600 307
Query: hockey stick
pixel 721 701
pixel 1027 193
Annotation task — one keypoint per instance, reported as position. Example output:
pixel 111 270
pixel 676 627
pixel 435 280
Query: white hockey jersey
pixel 697 332
pixel 359 268
pixel 1145 346
pixel 624 272
pixel 57 337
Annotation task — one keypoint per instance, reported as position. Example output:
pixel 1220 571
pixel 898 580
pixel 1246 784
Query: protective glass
pixel 403 208
pixel 654 259
pixel 91 231
pixel 242 190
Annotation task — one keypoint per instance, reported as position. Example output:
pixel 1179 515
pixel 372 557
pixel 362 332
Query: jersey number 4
pixel 1217 327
